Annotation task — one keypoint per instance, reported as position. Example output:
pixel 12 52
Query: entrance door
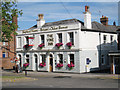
pixel 51 63
pixel 35 57
pixel 117 65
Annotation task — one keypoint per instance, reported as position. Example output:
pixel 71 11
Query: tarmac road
pixel 62 81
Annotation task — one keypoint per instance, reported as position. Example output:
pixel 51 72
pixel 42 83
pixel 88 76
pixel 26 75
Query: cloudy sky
pixel 55 11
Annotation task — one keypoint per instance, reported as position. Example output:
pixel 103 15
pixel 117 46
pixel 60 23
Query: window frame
pixel 71 34
pixel 42 39
pixel 60 40
pixel 104 39
pixel 28 58
pixel 111 39
pixel 73 61
pixel 59 58
pixel 43 59
pixel 19 43
pixel 102 60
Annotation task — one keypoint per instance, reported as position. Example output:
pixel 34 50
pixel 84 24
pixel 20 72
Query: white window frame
pixel 111 39
pixel 19 42
pixel 59 38
pixel 42 58
pixel 41 39
pixel 105 41
pixel 26 58
pixel 68 36
pixel 58 58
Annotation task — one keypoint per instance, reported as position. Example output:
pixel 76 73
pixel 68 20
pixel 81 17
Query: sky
pixel 56 11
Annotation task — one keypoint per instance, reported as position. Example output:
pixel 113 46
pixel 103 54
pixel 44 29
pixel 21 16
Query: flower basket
pixel 41 45
pixel 59 65
pixel 42 64
pixel 27 46
pixel 25 65
pixel 58 45
pixel 70 66
pixel 69 44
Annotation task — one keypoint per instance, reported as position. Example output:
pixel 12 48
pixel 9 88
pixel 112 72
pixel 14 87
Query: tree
pixel 9 10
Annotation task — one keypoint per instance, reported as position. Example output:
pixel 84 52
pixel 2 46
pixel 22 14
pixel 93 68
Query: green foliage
pixel 9 10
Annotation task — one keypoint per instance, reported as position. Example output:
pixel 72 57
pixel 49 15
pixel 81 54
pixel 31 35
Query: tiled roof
pixel 95 25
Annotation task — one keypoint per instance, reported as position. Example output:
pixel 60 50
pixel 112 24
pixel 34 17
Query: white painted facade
pixel 87 44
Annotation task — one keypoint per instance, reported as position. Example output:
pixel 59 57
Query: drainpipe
pixel 100 50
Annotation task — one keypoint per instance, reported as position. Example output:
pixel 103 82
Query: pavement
pixel 62 75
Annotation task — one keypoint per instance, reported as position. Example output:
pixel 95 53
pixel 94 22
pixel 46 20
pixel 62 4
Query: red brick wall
pixel 6 63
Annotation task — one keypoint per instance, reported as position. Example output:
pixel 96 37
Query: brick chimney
pixel 13 42
pixel 104 20
pixel 40 20
pixel 15 20
pixel 87 18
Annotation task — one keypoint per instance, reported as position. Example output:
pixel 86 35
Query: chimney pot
pixel 86 8
pixel 114 23
pixel 104 20
pixel 40 16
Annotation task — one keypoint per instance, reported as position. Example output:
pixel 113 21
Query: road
pixel 63 82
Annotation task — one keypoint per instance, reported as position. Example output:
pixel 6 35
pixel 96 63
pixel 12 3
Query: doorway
pixel 51 63
pixel 35 58
pixel 117 65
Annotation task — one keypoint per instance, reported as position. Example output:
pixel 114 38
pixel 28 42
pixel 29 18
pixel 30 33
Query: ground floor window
pixel 27 58
pixel 43 56
pixel 60 58
pixel 71 58
pixel 102 59
pixel 4 54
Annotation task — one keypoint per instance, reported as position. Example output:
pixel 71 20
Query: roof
pixel 100 27
pixel 95 25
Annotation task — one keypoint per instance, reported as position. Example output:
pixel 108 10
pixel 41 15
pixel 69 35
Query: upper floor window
pixel 105 39
pixel 71 37
pixel 27 40
pixel 19 42
pixel 71 58
pixel 60 37
pixel 60 58
pixel 42 38
pixel 111 39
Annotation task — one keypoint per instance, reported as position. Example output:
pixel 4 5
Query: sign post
pixel 87 63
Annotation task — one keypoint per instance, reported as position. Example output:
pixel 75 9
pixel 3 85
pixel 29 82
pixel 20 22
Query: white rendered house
pixel 91 42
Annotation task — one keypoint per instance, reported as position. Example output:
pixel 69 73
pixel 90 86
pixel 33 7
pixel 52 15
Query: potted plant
pixel 69 44
pixel 59 65
pixel 58 45
pixel 70 66
pixel 25 65
pixel 41 45
pixel 42 64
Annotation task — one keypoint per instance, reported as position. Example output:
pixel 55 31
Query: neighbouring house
pixel 9 50
pixel 67 45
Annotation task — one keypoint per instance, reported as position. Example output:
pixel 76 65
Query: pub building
pixel 67 45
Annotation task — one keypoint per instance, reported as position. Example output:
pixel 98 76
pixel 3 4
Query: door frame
pixel 50 67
